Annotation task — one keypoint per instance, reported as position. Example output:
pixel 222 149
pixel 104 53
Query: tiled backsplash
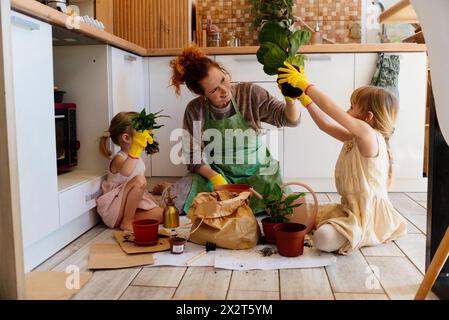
pixel 335 18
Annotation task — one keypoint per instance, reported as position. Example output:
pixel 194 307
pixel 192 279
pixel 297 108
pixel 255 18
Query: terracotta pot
pixel 290 239
pixel 146 232
pixel 305 214
pixel 268 230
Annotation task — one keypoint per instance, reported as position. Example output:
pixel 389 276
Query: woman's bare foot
pixel 160 187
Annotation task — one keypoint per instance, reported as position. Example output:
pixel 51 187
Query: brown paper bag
pixel 224 218
pixel 110 256
pixel 52 285
pixel 129 247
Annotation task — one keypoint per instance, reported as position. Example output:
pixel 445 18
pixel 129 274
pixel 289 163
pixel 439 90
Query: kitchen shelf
pixel 401 12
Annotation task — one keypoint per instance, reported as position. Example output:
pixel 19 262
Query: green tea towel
pixel 387 73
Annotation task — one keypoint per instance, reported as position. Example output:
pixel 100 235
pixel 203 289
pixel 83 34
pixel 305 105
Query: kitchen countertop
pixel 54 17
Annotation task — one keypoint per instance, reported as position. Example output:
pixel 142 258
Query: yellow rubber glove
pixel 218 180
pixel 305 100
pixel 294 77
pixel 140 141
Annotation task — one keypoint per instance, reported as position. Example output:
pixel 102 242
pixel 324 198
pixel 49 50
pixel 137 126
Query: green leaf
pixel 273 32
pixel 263 49
pixel 273 59
pixel 297 60
pixel 297 39
pixel 296 205
pixel 291 198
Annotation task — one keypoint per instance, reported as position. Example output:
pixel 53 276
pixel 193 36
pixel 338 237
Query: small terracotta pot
pixel 146 232
pixel 268 230
pixel 177 245
pixel 290 239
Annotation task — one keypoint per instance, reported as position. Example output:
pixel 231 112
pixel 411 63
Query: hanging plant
pixel 278 39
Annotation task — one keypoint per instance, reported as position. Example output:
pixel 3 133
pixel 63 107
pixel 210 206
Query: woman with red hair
pixel 226 112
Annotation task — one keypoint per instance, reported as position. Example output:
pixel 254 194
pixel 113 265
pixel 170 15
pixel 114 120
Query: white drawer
pixel 76 201
pixel 244 68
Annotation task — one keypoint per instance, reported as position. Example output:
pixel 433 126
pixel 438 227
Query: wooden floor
pixel 389 271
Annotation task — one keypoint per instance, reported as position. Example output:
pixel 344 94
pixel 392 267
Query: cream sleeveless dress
pixel 109 204
pixel 365 216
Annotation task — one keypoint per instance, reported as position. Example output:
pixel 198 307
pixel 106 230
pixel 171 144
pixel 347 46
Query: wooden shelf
pixel 415 38
pixel 401 12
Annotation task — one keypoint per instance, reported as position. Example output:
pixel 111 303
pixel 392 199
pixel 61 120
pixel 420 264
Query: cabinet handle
pixel 319 57
pixel 19 21
pixel 129 57
pixel 93 196
pixel 245 59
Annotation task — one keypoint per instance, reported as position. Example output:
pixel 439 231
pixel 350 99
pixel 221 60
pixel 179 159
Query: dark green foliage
pixel 278 208
pixel 144 121
pixel 278 39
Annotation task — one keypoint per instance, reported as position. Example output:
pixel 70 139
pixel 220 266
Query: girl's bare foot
pixel 125 226
pixel 159 188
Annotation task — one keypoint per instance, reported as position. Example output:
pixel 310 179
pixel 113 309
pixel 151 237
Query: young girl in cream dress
pixel 363 172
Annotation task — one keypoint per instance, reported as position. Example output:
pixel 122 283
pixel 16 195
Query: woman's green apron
pixel 245 162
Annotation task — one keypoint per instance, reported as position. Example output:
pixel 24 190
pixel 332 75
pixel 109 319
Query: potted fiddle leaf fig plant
pixel 277 207
pixel 279 40
pixel 143 121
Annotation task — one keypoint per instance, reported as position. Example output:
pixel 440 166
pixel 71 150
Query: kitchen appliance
pixel 60 5
pixel 67 145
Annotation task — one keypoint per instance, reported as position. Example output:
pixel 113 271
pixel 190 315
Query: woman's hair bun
pixel 189 57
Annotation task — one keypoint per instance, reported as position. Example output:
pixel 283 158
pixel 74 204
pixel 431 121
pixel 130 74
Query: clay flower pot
pixel 146 232
pixel 290 239
pixel 268 230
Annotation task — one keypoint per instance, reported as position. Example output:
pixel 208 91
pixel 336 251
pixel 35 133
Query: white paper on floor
pixel 253 259
pixel 167 258
pixel 239 259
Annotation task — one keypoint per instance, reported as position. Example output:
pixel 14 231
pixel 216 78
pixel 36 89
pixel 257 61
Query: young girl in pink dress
pixel 125 197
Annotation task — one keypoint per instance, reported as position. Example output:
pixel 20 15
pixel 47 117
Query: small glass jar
pixel 177 245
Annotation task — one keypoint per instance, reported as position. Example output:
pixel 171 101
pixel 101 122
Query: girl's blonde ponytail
pixel 104 147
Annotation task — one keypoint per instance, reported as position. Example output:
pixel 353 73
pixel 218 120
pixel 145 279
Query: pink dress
pixel 109 204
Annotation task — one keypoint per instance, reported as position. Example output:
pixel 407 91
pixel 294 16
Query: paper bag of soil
pixel 224 218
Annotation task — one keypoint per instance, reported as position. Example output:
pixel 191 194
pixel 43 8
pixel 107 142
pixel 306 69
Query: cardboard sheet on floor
pixel 111 256
pixel 253 259
pixel 125 240
pixel 52 285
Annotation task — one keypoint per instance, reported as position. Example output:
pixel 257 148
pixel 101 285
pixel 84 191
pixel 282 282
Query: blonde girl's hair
pixel 120 124
pixel 384 106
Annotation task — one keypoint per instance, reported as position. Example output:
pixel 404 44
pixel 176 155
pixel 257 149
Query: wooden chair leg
pixel 439 259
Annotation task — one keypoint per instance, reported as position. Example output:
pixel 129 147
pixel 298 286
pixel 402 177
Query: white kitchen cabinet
pixel 166 163
pixel 408 140
pixel 127 81
pixel 244 68
pixel 80 195
pixel 35 126
pixel 310 154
